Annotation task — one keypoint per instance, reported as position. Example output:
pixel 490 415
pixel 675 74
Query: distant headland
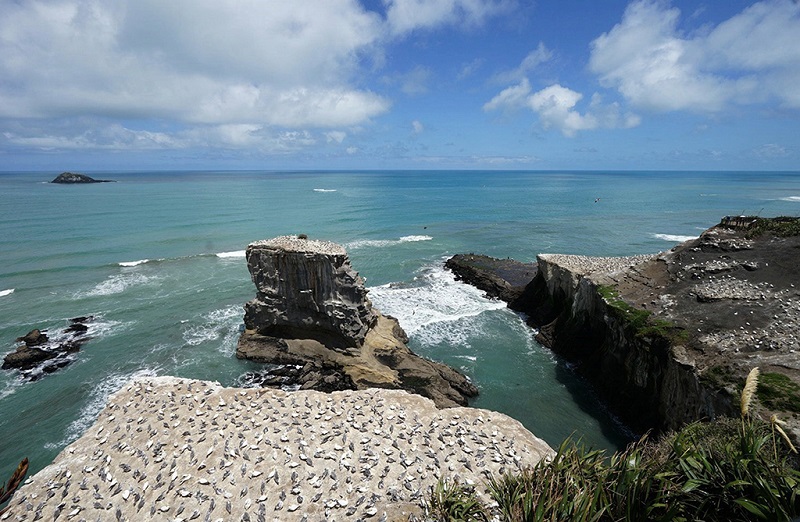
pixel 72 177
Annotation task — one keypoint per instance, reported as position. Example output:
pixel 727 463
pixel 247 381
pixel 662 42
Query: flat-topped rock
pixel 301 244
pixel 307 289
pixel 176 449
pixel 311 311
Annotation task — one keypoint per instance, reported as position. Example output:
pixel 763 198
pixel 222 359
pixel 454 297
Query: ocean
pixel 157 259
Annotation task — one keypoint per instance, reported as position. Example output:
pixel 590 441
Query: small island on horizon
pixel 69 178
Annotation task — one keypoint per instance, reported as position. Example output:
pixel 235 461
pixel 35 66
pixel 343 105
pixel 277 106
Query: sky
pixel 92 85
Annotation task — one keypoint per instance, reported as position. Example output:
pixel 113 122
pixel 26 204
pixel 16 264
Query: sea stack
pixel 311 311
pixel 307 285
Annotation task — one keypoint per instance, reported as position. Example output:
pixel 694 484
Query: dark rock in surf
pixel 40 355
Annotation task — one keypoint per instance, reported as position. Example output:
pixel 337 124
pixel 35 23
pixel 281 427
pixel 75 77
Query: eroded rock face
pixel 312 313
pixel 307 289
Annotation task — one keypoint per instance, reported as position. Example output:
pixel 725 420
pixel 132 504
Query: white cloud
pixel 556 107
pixel 749 58
pixel 468 69
pixel 404 16
pixel 236 71
pixel 205 61
pixel 417 127
pixel 771 150
pixel 533 59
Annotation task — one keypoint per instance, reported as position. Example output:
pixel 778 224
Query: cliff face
pixel 311 312
pixel 643 372
pixel 307 289
pixel 669 338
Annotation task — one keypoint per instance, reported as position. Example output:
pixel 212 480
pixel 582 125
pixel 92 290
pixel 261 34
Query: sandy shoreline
pixel 175 449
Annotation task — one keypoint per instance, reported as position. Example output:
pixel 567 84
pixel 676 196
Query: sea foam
pixel 673 237
pixel 434 308
pixel 117 284
pixel 223 323
pixel 235 253
pixel 134 263
pixel 324 190
pixel 4 293
pixel 372 243
pixel 791 198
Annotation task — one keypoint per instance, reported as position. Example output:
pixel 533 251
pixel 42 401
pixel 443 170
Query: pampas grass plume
pixel 749 391
pixel 776 424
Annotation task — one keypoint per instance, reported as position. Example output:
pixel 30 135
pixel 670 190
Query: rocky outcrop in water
pixel 503 279
pixel 73 178
pixel 39 355
pixel 311 311
pixel 307 289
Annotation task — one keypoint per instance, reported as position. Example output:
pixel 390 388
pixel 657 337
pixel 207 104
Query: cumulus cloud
pixel 208 62
pixel 557 107
pixel 752 57
pixel 230 70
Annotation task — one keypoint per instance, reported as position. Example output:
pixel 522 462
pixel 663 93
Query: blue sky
pixel 399 84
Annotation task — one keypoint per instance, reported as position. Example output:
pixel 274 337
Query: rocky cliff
pixel 668 338
pixel 307 289
pixel 312 312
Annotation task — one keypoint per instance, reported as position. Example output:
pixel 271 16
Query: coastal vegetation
pixel 782 226
pixel 729 469
pixel 640 322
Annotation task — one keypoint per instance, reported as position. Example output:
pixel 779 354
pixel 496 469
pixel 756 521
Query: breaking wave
pixel 434 307
pixel 235 253
pixel 4 293
pixel 372 243
pixel 673 237
pixel 134 263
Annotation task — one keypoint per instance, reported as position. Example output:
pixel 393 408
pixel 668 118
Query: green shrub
pixel 453 502
pixel 778 392
pixel 725 470
pixel 780 226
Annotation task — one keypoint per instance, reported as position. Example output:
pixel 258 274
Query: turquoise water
pixel 158 259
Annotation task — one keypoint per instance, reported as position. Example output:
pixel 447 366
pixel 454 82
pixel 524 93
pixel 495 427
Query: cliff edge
pixel 668 338
pixel 311 311
pixel 166 448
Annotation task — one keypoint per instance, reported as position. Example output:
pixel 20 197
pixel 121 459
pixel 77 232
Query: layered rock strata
pixel 667 338
pixel 311 310
pixel 175 449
